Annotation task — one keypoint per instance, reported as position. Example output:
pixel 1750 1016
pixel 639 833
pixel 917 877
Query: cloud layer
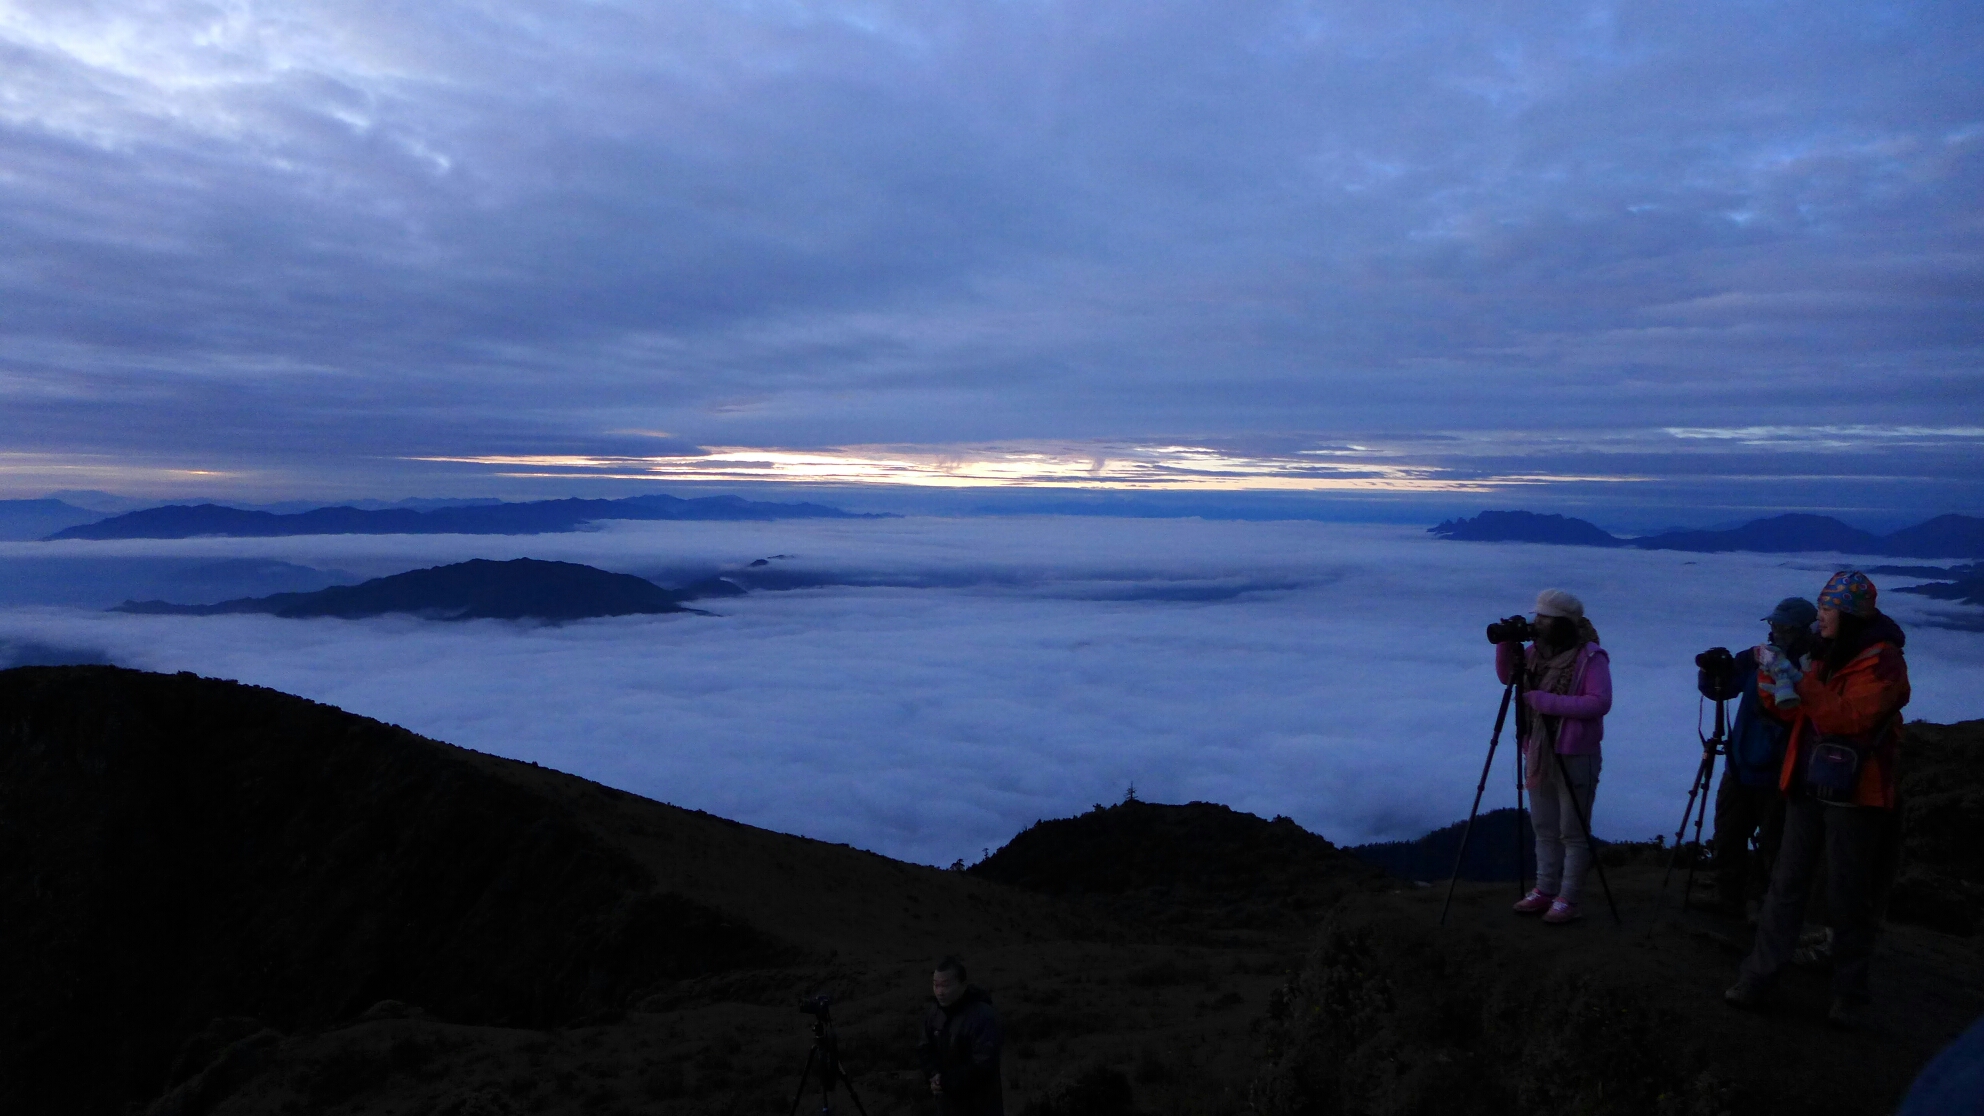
pixel 943 683
pixel 291 240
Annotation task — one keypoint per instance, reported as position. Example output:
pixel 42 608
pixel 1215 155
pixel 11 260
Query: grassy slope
pixel 1172 992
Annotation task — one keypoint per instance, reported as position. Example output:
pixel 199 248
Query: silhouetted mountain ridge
pixel 1946 536
pixel 1522 526
pixel 1966 589
pixel 1491 850
pixel 34 519
pixel 479 589
pixel 1199 853
pixel 180 521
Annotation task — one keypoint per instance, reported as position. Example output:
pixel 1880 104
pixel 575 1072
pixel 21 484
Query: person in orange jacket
pixel 1844 701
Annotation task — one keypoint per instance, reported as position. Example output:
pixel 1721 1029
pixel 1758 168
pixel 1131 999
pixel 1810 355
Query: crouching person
pixel 960 1045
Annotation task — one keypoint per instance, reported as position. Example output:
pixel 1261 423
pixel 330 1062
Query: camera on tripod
pixel 823 1063
pixel 1513 629
pixel 1718 669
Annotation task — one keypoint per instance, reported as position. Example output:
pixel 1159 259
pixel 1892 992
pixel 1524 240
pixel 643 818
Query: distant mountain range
pixel 180 521
pixel 1963 584
pixel 1492 847
pixel 524 588
pixel 34 519
pixel 1946 536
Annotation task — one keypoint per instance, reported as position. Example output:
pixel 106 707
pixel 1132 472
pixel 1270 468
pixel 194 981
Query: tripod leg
pixel 803 1076
pixel 1703 779
pixel 1707 778
pixel 849 1082
pixel 1584 822
pixel 1711 748
pixel 1694 788
pixel 1479 788
pixel 1522 876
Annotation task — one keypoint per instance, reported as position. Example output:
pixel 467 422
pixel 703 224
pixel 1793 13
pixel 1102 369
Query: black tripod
pixel 1712 746
pixel 825 1055
pixel 1512 695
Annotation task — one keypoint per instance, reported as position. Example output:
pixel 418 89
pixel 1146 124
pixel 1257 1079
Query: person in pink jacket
pixel 1567 692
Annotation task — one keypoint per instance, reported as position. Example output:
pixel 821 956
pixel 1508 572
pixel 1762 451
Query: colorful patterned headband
pixel 1849 591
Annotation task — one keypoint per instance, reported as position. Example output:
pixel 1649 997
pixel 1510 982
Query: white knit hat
pixel 1556 602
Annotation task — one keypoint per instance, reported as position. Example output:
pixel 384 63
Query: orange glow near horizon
pixel 1126 467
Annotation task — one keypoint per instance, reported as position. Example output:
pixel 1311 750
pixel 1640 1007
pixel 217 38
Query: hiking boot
pixel 1561 912
pixel 1847 1015
pixel 1814 950
pixel 1748 994
pixel 1533 902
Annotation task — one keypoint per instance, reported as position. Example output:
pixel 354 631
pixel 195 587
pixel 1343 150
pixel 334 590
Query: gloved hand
pixel 1777 675
pixel 1787 670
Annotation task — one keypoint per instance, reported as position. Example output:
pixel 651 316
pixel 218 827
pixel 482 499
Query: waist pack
pixel 1832 770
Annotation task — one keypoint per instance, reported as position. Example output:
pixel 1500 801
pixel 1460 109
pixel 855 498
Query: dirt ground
pixel 1593 1017
pixel 1598 1016
pixel 482 937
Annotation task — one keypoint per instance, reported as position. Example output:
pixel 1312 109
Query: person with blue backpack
pixel 1749 805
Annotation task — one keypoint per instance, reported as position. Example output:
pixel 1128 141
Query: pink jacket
pixel 1582 710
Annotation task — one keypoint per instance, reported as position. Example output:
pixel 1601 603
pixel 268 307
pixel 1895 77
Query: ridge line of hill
pixel 478 589
pixel 1944 536
pixel 181 521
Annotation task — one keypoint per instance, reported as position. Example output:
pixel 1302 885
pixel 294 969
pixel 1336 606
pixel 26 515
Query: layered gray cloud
pixel 291 238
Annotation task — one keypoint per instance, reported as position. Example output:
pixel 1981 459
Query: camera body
pixel 1513 629
pixel 1718 669
pixel 819 1007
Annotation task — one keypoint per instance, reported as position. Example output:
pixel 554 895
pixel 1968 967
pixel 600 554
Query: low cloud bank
pixel 938 684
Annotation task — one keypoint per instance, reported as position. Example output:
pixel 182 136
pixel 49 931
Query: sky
pixel 1719 255
pixel 941 683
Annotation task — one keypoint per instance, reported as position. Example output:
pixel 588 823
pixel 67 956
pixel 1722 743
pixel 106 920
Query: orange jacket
pixel 1862 702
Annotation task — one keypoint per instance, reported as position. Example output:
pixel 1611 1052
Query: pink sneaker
pixel 1533 902
pixel 1561 912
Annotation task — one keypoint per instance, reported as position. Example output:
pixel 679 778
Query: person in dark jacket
pixel 960 1047
pixel 1748 805
pixel 1839 779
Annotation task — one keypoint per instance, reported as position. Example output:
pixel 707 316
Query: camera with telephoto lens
pixel 1514 629
pixel 818 1006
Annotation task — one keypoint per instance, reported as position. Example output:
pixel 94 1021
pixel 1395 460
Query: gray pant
pixel 1563 852
pixel 1850 840
pixel 1741 811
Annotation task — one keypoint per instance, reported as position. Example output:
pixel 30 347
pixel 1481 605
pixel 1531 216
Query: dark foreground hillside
pixel 220 899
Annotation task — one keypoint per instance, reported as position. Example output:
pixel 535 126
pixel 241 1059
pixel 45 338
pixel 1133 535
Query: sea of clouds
pixel 934 685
